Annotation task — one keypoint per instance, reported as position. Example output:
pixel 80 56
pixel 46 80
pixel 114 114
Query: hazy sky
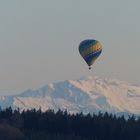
pixel 39 41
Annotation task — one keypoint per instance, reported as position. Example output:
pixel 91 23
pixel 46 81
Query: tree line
pixel 50 125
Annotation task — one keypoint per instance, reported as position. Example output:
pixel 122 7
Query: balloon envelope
pixel 90 50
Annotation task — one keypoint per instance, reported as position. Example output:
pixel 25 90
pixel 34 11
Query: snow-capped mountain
pixel 89 94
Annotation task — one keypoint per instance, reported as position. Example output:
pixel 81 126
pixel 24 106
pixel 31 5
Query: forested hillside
pixel 50 125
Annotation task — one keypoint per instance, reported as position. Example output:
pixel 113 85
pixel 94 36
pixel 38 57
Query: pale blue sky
pixel 39 41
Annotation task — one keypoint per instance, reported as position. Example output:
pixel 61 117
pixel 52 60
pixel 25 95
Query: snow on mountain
pixel 88 94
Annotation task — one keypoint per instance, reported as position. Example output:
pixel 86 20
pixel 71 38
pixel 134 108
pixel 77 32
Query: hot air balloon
pixel 90 50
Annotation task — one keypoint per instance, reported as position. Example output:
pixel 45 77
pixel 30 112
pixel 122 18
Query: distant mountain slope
pixel 89 94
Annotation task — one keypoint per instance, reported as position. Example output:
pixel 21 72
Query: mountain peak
pixel 86 94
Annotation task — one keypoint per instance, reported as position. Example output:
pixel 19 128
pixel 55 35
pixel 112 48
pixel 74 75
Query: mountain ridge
pixel 86 94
